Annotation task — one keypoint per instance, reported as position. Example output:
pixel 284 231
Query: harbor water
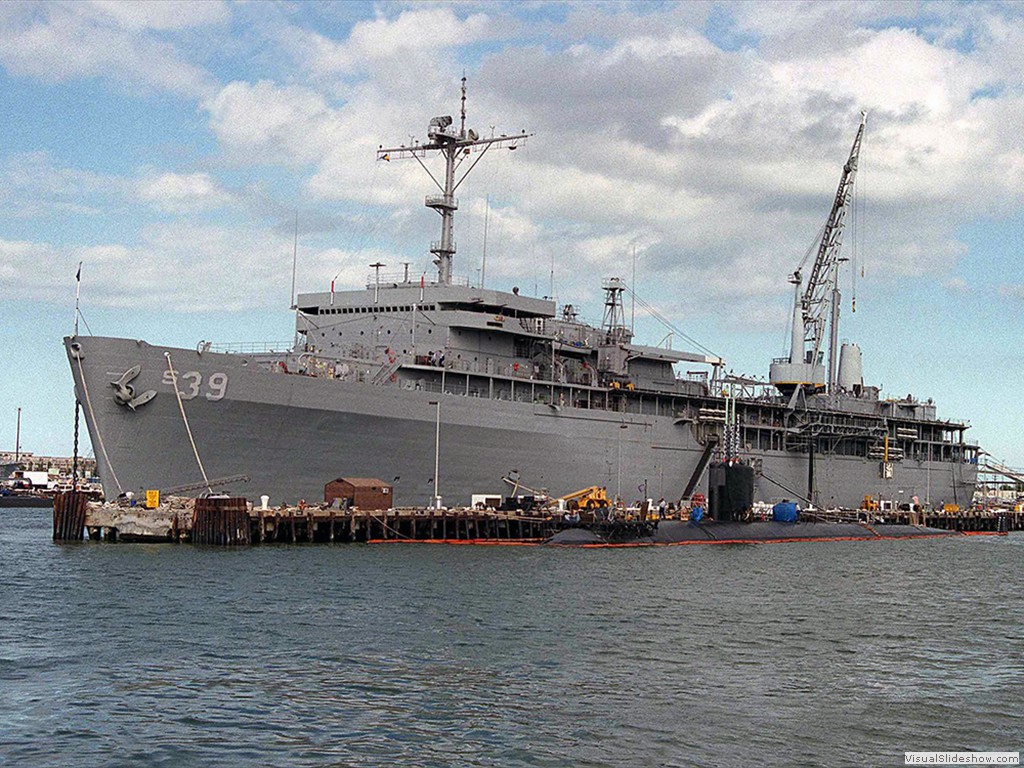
pixel 433 655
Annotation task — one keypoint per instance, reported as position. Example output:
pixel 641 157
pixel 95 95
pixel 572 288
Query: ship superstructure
pixel 497 381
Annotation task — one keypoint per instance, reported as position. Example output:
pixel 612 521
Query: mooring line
pixel 385 525
pixel 99 435
pixel 184 418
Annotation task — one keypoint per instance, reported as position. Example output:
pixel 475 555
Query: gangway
pixel 997 469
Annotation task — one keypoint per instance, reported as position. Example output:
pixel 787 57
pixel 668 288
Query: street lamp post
pixel 618 472
pixel 437 453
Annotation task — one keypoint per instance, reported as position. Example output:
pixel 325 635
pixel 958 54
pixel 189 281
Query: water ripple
pixel 118 655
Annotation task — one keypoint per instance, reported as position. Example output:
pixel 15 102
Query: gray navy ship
pixel 444 388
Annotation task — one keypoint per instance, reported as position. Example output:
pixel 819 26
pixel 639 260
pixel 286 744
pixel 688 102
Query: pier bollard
pixel 69 516
pixel 221 521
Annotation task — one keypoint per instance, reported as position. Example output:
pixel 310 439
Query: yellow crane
pixel 593 497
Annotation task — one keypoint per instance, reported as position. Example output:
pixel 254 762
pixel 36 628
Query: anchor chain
pixel 74 460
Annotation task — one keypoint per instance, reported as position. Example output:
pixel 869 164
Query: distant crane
pixel 816 307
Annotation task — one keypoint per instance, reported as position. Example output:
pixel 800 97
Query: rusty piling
pixel 69 510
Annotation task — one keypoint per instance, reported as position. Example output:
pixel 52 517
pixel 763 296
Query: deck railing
pixel 248 347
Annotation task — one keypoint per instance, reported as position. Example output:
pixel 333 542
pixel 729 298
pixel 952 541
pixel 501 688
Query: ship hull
pixel 292 434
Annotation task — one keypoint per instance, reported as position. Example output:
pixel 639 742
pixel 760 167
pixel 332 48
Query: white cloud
pixel 266 123
pixel 649 48
pixel 1012 291
pixel 33 186
pixel 725 162
pixel 183 266
pixel 19 261
pixel 957 285
pixel 57 43
pixel 162 14
pixel 180 266
pixel 182 192
pixel 413 33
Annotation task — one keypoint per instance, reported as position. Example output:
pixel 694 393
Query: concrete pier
pixel 233 521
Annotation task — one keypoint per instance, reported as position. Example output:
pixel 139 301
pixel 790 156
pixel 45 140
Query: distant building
pixel 55 465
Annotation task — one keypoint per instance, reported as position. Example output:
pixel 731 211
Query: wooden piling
pixel 221 521
pixel 69 516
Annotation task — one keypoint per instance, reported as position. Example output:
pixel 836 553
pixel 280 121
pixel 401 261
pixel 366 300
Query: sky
pixel 168 146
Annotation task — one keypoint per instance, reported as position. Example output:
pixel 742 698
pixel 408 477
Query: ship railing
pixel 436 246
pixel 395 279
pixel 442 201
pixel 248 347
pixel 513 370
pixel 352 367
pixel 525 371
pixel 389 278
pixel 573 340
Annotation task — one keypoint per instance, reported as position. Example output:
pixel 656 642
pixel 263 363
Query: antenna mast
pixel 295 303
pixel 78 294
pixel 614 322
pixel 456 147
pixel 295 255
pixel 483 263
pixel 462 127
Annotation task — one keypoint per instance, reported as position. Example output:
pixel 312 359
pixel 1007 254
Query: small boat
pixel 10 499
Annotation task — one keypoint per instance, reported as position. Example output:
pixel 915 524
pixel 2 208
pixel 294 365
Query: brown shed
pixel 362 492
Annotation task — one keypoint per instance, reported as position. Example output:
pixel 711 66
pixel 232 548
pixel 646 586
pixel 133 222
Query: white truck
pixel 34 480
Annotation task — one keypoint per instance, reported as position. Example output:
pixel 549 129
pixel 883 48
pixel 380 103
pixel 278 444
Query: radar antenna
pixel 456 146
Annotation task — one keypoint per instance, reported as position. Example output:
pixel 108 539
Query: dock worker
pixel 661 508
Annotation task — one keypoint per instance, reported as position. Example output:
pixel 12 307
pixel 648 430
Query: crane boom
pixel 820 299
pixel 816 307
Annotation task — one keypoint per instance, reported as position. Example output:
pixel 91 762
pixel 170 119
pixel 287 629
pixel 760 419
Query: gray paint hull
pixel 292 434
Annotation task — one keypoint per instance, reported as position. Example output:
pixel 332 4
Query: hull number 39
pixel 190 385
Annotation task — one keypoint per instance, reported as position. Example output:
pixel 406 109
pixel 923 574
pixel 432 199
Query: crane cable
pixel 664 321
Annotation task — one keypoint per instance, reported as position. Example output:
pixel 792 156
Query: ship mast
pixel 614 322
pixel 455 146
